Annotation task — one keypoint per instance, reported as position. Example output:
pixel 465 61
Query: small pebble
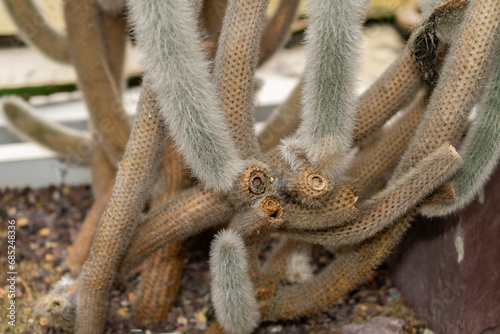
pixel 377 325
pixel 274 329
pixel 394 293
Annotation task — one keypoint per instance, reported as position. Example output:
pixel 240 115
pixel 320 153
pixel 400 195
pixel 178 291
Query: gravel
pixel 48 219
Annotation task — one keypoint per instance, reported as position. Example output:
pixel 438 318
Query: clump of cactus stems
pixel 352 172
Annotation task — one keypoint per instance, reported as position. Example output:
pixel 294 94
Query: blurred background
pixel 51 87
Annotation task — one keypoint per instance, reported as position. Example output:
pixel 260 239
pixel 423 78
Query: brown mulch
pixel 48 220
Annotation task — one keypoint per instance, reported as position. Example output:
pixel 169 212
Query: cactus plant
pixel 325 184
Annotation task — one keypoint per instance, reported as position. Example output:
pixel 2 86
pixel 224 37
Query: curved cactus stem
pixel 35 28
pixel 112 7
pixel 382 153
pixel 342 275
pixel 185 215
pixel 328 114
pixel 385 207
pixel 480 152
pixel 130 192
pixel 235 64
pixel 462 80
pixel 113 36
pixel 161 273
pixel 212 15
pixel 392 91
pixel 159 284
pixel 338 208
pixel 115 42
pixel 277 30
pixel 102 171
pixel 72 145
pixel 254 225
pixel 79 250
pixel 100 91
pixel 179 76
pixel 232 292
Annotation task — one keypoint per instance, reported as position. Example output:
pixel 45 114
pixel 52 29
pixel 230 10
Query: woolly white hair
pixel 328 115
pixel 232 290
pixel 113 7
pixel 178 74
pixel 298 269
pixel 480 151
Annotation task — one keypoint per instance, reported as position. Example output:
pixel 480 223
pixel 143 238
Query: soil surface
pixel 48 219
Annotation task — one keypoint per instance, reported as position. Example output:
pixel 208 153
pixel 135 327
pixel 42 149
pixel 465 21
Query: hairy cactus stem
pixel 343 274
pixel 235 64
pixel 35 28
pixel 460 84
pixel 388 205
pixel 100 90
pixel 135 177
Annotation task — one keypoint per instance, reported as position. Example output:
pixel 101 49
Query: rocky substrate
pixel 48 219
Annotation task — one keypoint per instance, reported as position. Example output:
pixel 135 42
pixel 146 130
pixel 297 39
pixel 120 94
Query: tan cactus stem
pixel 37 30
pixel 212 15
pixel 384 208
pixel 390 93
pixel 185 215
pixel 95 78
pixel 161 272
pixel 134 180
pixel 335 280
pixel 479 151
pixel 254 226
pixel 282 122
pixel 72 145
pixel 337 209
pixel 382 153
pixel 462 80
pixel 277 30
pixel 192 211
pixel 235 64
pixel 307 186
pixel 367 168
pixel 113 34
pixel 159 284
pixel 112 7
pixel 275 33
pixel 102 171
pixel 79 250
pixel 114 38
